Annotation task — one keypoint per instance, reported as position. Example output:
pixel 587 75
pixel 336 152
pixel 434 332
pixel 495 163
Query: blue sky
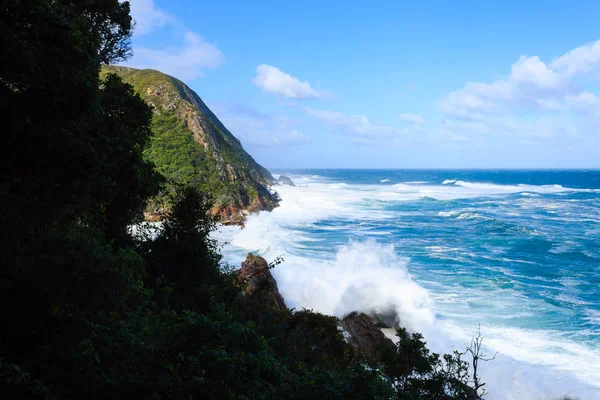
pixel 390 84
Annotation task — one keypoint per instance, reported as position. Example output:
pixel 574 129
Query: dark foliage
pixel 92 311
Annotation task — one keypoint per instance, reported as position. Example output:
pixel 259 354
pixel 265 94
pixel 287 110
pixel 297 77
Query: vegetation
pixel 191 146
pixel 173 150
pixel 90 311
pixel 180 160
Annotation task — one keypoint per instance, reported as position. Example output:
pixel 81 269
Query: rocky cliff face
pixel 285 180
pixel 255 275
pixel 191 145
pixel 363 334
pixel 366 337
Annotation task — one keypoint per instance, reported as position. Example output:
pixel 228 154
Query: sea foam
pixel 346 275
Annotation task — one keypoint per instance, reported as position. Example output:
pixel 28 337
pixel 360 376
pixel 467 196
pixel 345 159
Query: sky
pixel 388 84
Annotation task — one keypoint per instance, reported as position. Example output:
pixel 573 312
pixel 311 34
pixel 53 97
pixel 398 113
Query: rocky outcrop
pixel 229 214
pixel 363 334
pixel 255 275
pixel 235 181
pixel 360 330
pixel 285 180
pixel 366 337
pixel 235 213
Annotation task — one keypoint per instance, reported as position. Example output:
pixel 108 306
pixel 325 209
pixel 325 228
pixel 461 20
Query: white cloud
pixel 531 85
pixel 582 60
pixel 536 101
pixel 147 18
pixel 357 126
pixel 413 118
pixel 584 103
pixel 553 128
pixel 187 61
pixel 256 128
pixel 188 55
pixel 266 133
pixel 474 100
pixel 531 72
pixel 275 81
pixel 547 129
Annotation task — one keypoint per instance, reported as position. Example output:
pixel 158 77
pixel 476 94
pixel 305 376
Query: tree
pixel 126 180
pixel 474 349
pixel 89 312
pixel 50 96
pixel 419 374
pixel 73 179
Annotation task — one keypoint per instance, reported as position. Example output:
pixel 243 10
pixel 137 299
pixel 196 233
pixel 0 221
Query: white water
pixel 371 277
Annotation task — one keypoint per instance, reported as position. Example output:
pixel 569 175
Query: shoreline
pixel 285 232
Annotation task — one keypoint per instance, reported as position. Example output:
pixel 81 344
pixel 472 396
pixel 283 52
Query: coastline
pixel 324 274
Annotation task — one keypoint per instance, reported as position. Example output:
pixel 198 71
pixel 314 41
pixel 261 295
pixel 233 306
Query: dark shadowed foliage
pixel 91 311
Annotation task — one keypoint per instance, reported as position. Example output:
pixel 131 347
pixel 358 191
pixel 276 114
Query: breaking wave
pixel 328 269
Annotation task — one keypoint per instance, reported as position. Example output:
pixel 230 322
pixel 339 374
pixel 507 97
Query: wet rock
pixel 255 275
pixel 229 215
pixel 386 318
pixel 366 337
pixel 284 180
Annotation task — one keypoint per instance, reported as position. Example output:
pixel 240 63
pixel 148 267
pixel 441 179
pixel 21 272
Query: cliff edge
pixel 190 145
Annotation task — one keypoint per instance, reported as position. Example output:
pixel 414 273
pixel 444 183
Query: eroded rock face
pixel 238 183
pixel 255 275
pixel 235 212
pixel 366 337
pixel 229 215
pixel 285 180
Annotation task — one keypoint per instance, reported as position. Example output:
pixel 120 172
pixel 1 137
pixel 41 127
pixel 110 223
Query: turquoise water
pixel 442 252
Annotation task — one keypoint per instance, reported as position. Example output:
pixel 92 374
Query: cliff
pixel 307 336
pixel 366 337
pixel 255 278
pixel 190 145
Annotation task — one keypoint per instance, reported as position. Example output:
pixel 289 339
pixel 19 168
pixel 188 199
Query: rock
pixel 152 216
pixel 284 180
pixel 387 318
pixel 255 275
pixel 366 337
pixel 237 180
pixel 260 204
pixel 229 215
pixel 235 213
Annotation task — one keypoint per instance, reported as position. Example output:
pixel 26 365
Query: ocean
pixel 443 252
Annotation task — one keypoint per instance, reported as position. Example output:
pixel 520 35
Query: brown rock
pixel 235 213
pixel 255 275
pixel 233 166
pixel 259 204
pixel 152 217
pixel 229 215
pixel 366 337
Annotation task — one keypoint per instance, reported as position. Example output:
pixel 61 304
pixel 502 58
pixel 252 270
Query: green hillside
pixel 191 146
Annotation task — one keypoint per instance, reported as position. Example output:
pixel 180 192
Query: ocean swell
pixel 336 261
